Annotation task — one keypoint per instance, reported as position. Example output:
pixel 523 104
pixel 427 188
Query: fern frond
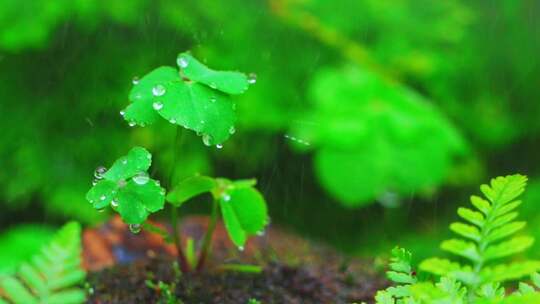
pixel 52 274
pixel 401 272
pixel 487 235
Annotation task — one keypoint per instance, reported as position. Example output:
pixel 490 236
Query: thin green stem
pixel 182 260
pixel 207 242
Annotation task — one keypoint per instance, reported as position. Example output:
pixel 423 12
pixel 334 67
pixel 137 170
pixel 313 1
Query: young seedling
pixel 197 98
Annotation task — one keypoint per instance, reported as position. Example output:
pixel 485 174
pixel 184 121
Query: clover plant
pixel 486 241
pixel 197 98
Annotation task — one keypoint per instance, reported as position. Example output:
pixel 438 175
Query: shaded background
pixel 369 123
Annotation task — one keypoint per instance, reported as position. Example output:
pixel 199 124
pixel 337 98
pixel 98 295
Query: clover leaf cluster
pixel 192 96
pixel 198 98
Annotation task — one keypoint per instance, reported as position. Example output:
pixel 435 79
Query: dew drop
pixel 252 78
pixel 213 85
pixel 95 181
pixel 135 80
pixel 135 228
pixel 101 210
pixel 172 120
pixel 162 192
pixel 232 130
pixel 98 173
pixel 114 203
pixel 182 62
pixel 207 139
pixel 131 124
pixel 122 113
pixel 157 105
pixel 158 90
pixel 103 197
pixel 213 99
pixel 226 197
pixel 141 178
pixel 124 161
pixel 219 146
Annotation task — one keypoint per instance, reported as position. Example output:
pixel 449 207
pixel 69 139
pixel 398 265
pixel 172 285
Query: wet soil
pixel 292 270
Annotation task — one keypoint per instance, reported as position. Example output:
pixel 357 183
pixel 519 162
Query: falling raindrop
pixel 207 139
pixel 135 80
pixel 182 62
pixel 157 105
pixel 98 174
pixel 135 228
pixel 159 90
pixel 232 130
pixel 252 78
pixel 141 178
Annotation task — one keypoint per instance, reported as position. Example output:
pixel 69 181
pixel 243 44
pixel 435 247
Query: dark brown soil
pixel 294 271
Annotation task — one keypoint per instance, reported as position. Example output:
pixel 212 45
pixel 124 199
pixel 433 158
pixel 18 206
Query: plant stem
pixel 182 260
pixel 206 246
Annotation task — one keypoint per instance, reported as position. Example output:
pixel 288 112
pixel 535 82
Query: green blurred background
pixel 369 123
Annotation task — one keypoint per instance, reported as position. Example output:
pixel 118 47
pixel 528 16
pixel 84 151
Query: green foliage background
pixel 368 118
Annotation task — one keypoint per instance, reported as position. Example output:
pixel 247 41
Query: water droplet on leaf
pixel 232 130
pixel 141 178
pixel 172 120
pixel 135 228
pixel 157 105
pixel 182 62
pixel 213 99
pixel 122 113
pixel 213 85
pixel 103 197
pixel 159 90
pixel 131 124
pixel 135 80
pixel 226 197
pixel 252 78
pixel 98 174
pixel 114 203
pixel 241 248
pixel 219 146
pixel 207 139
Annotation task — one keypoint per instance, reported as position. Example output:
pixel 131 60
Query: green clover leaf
pixel 242 207
pixel 194 97
pixel 128 189
pixel 226 81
